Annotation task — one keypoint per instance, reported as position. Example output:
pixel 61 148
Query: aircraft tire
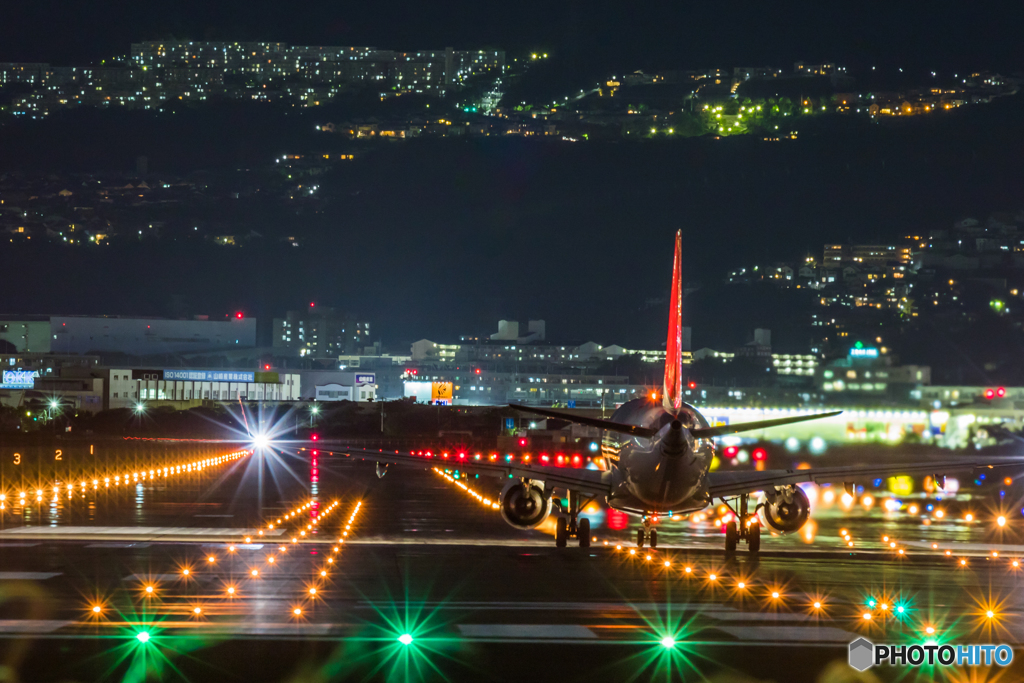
pixel 754 538
pixel 583 532
pixel 561 532
pixel 654 538
pixel 639 538
pixel 732 537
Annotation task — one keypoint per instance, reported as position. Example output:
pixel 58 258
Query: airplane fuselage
pixel 664 473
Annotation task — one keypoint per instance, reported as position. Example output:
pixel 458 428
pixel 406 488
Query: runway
pixel 422 558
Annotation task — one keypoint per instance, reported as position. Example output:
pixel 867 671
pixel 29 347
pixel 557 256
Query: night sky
pixel 588 35
pixel 440 238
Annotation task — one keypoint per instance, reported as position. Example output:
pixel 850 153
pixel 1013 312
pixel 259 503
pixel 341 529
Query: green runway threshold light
pixel 405 639
pixel 668 642
pixel 143 636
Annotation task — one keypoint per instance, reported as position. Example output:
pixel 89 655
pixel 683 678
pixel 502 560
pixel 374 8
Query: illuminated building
pixel 326 385
pixel 825 69
pixel 868 254
pixel 196 385
pixel 320 332
pixel 869 370
pixel 22 72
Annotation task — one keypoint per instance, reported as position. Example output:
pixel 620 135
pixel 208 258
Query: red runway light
pixel 238 315
pixel 760 454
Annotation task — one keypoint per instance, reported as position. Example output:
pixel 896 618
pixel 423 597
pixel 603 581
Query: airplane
pixel 659 463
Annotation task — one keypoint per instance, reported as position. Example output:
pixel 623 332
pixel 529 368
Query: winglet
pixel 672 395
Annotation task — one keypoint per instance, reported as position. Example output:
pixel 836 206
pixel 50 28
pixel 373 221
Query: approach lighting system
pixel 260 440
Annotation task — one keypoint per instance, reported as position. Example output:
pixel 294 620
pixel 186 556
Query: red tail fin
pixel 672 398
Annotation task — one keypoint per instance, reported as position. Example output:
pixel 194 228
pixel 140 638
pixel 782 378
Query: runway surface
pixel 414 555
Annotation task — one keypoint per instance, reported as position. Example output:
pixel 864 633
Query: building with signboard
pixel 329 385
pixel 870 371
pixel 130 387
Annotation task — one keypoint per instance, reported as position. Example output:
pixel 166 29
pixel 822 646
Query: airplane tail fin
pixel 672 395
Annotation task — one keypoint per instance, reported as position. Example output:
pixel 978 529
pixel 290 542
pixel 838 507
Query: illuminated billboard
pixel 19 379
pixel 441 393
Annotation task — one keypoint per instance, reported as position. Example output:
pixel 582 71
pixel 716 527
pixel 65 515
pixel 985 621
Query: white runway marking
pixel 574 606
pixel 790 634
pixel 27 576
pixel 527 631
pixel 283 629
pixel 32 625
pixel 756 616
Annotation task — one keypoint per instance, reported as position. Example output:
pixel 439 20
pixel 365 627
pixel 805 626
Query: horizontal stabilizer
pixel 711 432
pixel 632 430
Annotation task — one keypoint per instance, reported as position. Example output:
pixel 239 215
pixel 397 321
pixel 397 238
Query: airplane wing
pixel 576 478
pixel 725 484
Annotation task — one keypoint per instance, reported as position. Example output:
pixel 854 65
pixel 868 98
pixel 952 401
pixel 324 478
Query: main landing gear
pixel 574 526
pixel 748 529
pixel 646 534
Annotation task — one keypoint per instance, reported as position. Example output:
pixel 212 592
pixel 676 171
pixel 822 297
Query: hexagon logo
pixel 862 654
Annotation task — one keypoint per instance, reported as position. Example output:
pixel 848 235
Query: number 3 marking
pixel 17 458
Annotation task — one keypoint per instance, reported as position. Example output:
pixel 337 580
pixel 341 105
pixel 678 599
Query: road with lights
pixel 333 572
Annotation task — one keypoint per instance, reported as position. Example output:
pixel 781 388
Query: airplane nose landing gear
pixel 646 535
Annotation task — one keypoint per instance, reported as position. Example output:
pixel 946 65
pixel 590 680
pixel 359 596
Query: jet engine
pixel 525 505
pixel 784 509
